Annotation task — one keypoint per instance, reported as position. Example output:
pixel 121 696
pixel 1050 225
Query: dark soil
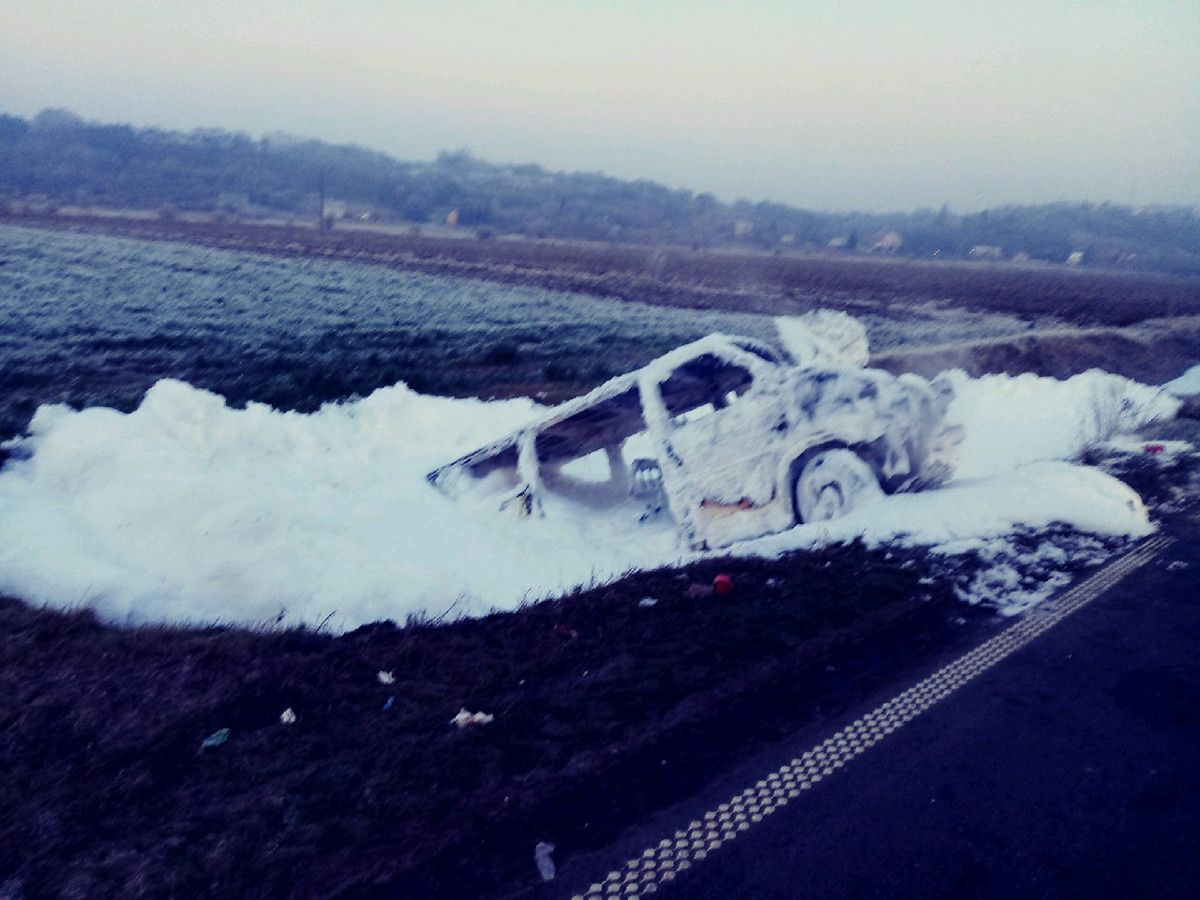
pixel 108 793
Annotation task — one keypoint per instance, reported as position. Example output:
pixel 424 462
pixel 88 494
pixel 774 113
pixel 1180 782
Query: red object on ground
pixel 722 584
pixel 1155 448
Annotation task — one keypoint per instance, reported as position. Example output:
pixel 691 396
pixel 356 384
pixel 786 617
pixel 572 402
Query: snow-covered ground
pixel 188 510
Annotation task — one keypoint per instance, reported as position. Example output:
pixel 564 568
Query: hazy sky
pixel 866 104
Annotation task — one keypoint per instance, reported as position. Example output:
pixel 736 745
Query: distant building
pixel 1020 257
pixel 986 251
pixel 742 227
pixel 1075 258
pixel 838 243
pixel 885 242
pixel 452 218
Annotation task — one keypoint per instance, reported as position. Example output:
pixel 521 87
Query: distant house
pixel 838 243
pixel 742 228
pixel 885 242
pixel 1075 258
pixel 986 251
pixel 452 218
pixel 1020 257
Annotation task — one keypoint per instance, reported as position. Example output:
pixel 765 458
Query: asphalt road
pixel 1070 768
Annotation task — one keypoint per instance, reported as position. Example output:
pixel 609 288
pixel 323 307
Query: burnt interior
pixel 609 422
pixel 604 424
pixel 706 379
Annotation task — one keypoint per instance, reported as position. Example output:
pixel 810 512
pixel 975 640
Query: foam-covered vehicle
pixel 729 438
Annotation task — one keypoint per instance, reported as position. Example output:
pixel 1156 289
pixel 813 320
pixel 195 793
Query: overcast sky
pixel 866 104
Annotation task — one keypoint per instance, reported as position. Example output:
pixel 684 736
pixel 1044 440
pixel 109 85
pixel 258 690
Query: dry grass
pixel 1153 351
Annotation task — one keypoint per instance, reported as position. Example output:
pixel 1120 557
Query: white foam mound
pixel 188 511
pixel 1034 496
pixel 824 337
pixel 1186 385
pixel 1010 420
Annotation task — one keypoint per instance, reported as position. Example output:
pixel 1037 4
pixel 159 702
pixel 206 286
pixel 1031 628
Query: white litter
pixel 541 858
pixel 287 717
pixel 465 719
pixel 385 677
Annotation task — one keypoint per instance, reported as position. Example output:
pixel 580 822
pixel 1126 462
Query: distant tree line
pixel 57 159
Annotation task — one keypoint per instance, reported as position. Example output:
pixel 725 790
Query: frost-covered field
pixel 189 510
pixel 92 320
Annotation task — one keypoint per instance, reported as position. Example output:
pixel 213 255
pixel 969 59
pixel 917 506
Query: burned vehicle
pixel 728 438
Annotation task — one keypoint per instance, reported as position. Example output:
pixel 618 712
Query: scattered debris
pixel 1155 448
pixel 216 739
pixel 1176 566
pixel 699 591
pixel 723 584
pixel 647 602
pixel 564 631
pixel 385 677
pixel 287 717
pixel 541 858
pixel 389 703
pixel 465 719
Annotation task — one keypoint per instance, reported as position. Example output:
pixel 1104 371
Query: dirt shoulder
pixel 702 279
pixel 373 792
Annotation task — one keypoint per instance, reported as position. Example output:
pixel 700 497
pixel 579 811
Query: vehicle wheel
pixel 831 484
